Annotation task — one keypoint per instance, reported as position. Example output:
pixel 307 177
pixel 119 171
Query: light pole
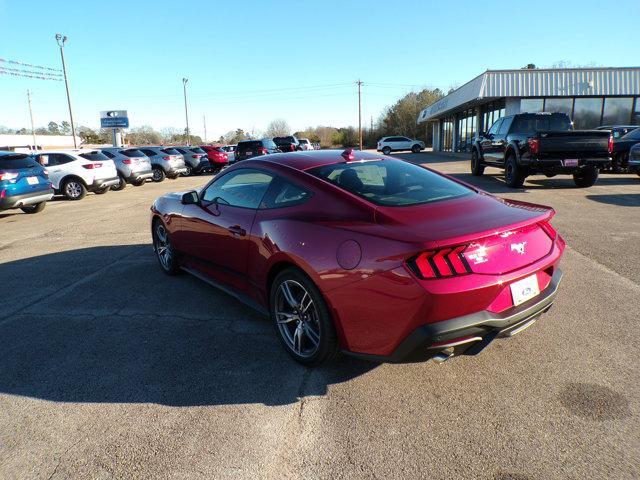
pixel 61 41
pixel 33 131
pixel 359 114
pixel 186 111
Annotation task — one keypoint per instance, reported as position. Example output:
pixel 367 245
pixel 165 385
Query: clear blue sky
pixel 249 62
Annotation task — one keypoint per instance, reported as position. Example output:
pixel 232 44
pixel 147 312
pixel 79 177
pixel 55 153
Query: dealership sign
pixel 114 119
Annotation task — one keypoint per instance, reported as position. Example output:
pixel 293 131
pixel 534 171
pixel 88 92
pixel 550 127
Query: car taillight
pixel 127 161
pixel 195 156
pixel 8 175
pixel 293 147
pixel 167 158
pixel 91 166
pixel 45 171
pixel 262 151
pixel 446 262
pixel 2 193
pixel 534 145
pixel 610 144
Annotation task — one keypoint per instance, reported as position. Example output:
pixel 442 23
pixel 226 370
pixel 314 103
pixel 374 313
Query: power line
pixel 24 64
pixel 4 71
pixel 31 72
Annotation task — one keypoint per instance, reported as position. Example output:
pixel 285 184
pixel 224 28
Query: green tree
pixel 53 128
pixel 401 118
pixel 65 128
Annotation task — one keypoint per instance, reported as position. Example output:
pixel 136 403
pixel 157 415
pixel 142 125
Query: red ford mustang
pixel 363 253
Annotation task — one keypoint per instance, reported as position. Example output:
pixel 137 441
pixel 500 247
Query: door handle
pixel 237 230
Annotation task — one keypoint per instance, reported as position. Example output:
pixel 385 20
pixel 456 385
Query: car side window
pixel 504 126
pixel 243 188
pixel 495 127
pixel 285 194
pixel 148 153
pixel 46 159
pixel 108 154
pixel 62 159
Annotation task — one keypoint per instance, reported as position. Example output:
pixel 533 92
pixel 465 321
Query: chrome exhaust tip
pixel 443 356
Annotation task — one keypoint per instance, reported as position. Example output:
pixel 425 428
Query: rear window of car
pixel 11 162
pixel 278 140
pixel 94 156
pixel 133 153
pixel 391 182
pixel 197 150
pixel 269 144
pixel 541 123
pixel 249 145
pixel 171 151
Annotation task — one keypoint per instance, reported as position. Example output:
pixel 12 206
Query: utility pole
pixel 186 112
pixel 360 113
pixel 61 41
pixel 33 130
pixel 204 120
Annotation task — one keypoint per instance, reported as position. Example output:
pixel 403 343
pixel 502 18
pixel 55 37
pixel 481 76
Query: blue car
pixel 24 183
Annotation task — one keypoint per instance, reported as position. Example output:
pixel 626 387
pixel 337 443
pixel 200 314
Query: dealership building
pixel 591 96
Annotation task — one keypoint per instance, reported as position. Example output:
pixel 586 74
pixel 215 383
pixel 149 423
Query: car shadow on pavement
pixel 103 324
pixel 622 199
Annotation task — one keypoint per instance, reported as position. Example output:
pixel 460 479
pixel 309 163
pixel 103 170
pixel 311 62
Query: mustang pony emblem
pixel 518 247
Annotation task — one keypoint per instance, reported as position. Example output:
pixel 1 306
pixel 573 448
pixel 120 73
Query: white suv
pixel 73 173
pixel 387 145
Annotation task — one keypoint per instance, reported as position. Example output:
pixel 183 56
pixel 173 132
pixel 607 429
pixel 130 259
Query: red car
pixel 363 253
pixel 217 156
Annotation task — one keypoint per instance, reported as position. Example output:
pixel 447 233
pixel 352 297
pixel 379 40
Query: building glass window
pixel 617 110
pixel 466 130
pixel 446 134
pixel 559 105
pixel 531 105
pixel 587 113
pixel 635 119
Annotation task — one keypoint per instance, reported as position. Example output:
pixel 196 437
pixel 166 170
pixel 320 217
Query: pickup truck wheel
pixel 513 173
pixel 415 148
pixel 37 208
pixel 477 169
pixel 158 174
pixel 74 189
pixel 121 185
pixel 386 150
pixel 586 177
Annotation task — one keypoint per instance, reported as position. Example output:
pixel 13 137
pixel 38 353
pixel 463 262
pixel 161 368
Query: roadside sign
pixel 114 119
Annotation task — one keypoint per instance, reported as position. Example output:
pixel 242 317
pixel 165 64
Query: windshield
pixel 94 156
pixel 391 182
pixel 632 135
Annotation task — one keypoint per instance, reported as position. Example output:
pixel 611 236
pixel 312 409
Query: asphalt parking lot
pixel 111 370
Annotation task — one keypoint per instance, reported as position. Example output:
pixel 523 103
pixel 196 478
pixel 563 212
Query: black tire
pixel 309 324
pixel 617 163
pixel 415 148
pixel 173 177
pixel 477 168
pixel 514 174
pixel 586 177
pixel 37 208
pixel 386 150
pixel 74 189
pixel 120 186
pixel 165 253
pixel 138 183
pixel 158 174
pixel 101 191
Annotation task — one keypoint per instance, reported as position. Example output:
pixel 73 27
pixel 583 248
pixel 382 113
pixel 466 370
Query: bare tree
pixel 277 128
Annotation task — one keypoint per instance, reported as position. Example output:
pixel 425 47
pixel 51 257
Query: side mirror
pixel 190 198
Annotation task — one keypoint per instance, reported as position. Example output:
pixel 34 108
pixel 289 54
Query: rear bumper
pixel 484 326
pixel 135 176
pixel 556 164
pixel 100 183
pixel 25 199
pixel 176 170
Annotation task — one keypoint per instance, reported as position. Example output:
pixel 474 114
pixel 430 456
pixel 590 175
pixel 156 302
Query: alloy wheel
pixel 297 318
pixel 163 246
pixel 157 176
pixel 73 189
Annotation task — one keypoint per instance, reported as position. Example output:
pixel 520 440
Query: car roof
pixel 308 159
pixel 6 153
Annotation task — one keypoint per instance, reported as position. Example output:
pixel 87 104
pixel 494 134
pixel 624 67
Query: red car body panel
pixel 357 253
pixel 216 155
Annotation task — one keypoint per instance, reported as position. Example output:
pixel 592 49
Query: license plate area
pixel 32 180
pixel 570 162
pixel 524 289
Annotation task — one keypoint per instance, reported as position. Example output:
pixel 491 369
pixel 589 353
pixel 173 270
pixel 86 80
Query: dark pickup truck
pixel 530 143
pixel 288 144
